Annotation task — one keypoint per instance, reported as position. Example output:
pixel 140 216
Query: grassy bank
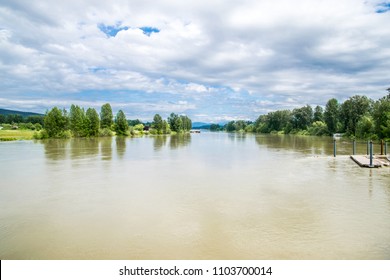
pixel 10 135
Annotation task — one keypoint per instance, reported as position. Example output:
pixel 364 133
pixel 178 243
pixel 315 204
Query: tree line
pixel 79 122
pixel 357 117
pixel 17 121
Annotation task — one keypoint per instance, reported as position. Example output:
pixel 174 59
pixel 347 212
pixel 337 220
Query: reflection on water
pixel 204 196
pixel 106 148
pixel 55 149
pixel 301 144
pixel 179 140
pixel 159 141
pixel 120 146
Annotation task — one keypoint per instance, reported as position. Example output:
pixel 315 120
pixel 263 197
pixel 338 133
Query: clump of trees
pixel 357 117
pixel 80 123
pixel 179 123
pixel 17 121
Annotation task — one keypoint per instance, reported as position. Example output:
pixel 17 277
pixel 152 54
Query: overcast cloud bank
pixel 212 60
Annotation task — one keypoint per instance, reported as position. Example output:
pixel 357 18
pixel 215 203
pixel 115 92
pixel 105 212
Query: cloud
pixel 147 30
pixel 224 58
pixel 383 7
pixel 111 30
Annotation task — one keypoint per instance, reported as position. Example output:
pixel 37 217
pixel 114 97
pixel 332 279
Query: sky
pixel 212 60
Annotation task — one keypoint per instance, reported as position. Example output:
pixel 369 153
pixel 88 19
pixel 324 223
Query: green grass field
pixel 10 135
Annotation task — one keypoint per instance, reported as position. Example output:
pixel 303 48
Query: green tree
pixel 158 123
pixel 14 118
pixel 56 122
pixel 230 126
pixel 365 127
pixel 186 123
pixel 274 121
pixel 318 128
pixel 106 116
pixel 37 127
pixel 35 119
pixel 92 122
pixel 121 125
pixel 165 127
pixel 318 114
pixel 175 122
pixel 352 110
pixel 301 118
pixel 77 121
pixel 134 122
pixel 386 126
pixel 331 115
pixel 381 116
pixel 215 127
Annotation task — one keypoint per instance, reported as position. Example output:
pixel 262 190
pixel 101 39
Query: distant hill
pixel 13 112
pixel 200 125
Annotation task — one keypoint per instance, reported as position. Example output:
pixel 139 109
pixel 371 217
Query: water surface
pixel 206 196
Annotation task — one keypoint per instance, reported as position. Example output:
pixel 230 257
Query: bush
pixel 153 131
pixel 318 128
pixel 38 126
pixel 42 134
pixel 105 132
pixel 365 128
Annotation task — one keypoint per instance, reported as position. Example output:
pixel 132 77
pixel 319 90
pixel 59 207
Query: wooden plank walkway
pixel 364 161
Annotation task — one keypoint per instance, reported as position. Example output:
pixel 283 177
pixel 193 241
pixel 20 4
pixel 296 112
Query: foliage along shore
pixel 78 122
pixel 358 117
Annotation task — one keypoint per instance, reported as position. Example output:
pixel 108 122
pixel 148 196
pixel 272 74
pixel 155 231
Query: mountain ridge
pixel 15 112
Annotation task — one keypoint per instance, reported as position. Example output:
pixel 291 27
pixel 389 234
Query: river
pixel 199 196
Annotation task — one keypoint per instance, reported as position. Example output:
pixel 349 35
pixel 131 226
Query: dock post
pixel 334 147
pixel 385 147
pixel 371 165
pixel 354 147
pixel 368 147
pixel 382 147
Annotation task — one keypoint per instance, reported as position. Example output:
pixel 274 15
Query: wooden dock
pixel 364 161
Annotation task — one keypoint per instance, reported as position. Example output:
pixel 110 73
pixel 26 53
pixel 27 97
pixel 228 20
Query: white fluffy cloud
pixel 222 58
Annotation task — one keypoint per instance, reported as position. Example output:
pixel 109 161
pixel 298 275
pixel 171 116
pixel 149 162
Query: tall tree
pixel 302 118
pixel 381 116
pixel 92 122
pixel 276 121
pixel 121 125
pixel 186 123
pixel 106 116
pixel 56 122
pixel 77 121
pixel 175 122
pixel 318 114
pixel 352 110
pixel 365 127
pixel 331 115
pixel 158 123
pixel 165 127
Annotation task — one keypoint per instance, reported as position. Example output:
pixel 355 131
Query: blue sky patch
pixel 383 7
pixel 112 30
pixel 147 30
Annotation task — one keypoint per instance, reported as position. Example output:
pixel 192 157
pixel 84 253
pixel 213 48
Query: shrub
pixel 105 132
